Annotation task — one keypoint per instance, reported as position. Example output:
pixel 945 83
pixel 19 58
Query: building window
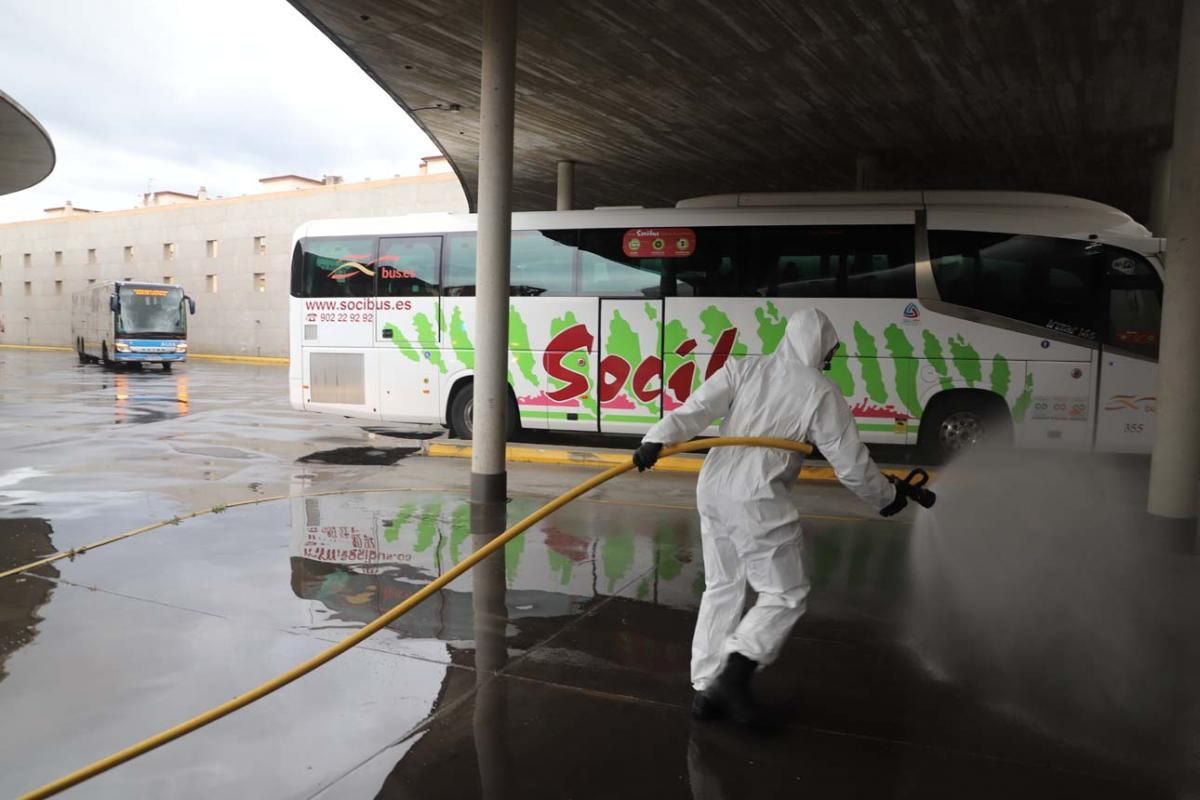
pixel 28 259
pixel 128 279
pixel 260 281
pixel 260 245
pixel 1 289
pixel 128 252
pixel 211 248
pixel 28 288
pixel 91 255
pixel 168 251
pixel 58 258
pixel 91 281
pixel 168 279
pixel 58 287
pixel 210 284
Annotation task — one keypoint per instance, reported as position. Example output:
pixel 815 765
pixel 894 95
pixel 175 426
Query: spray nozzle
pixel 913 487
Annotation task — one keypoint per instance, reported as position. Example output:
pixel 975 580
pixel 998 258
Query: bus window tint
pixel 710 271
pixel 542 264
pixel 860 261
pixel 408 266
pixel 1134 302
pixel 1052 283
pixel 335 267
pixel 460 265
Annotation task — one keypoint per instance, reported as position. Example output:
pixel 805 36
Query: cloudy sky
pixel 175 94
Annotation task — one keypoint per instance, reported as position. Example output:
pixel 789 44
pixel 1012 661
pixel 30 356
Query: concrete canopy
pixel 26 152
pixel 676 98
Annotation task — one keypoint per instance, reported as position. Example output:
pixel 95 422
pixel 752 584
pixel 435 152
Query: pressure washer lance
pixel 912 486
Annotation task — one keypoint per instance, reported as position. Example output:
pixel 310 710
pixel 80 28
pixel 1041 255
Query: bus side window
pixel 606 271
pixel 711 270
pixel 1049 282
pixel 335 267
pixel 823 261
pixel 409 266
pixel 541 264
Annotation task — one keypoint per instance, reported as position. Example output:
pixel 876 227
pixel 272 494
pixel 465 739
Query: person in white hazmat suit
pixel 749 525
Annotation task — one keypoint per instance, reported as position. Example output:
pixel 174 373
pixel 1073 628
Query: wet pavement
pixel 555 669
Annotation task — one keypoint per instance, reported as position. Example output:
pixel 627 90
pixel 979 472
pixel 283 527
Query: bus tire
pixel 461 413
pixel 166 365
pixel 955 422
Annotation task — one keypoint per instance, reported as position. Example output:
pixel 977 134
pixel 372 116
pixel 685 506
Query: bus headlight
pixel 181 347
pixel 121 347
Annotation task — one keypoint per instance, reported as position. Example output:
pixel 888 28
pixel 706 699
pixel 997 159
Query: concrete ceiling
pixel 26 152
pixel 673 98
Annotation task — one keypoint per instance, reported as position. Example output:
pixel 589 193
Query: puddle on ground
pixel 359 456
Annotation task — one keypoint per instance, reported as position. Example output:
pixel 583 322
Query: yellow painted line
pixel 240 359
pixel 202 356
pixel 45 347
pixel 527 454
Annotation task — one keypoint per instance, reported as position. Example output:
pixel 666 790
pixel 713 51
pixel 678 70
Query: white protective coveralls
pixel 749 526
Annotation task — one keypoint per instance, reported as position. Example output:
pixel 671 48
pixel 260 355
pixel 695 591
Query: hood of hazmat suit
pixel 750 526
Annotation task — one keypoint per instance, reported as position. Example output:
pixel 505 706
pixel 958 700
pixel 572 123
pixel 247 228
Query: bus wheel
pixel 462 414
pixel 957 422
pixel 166 366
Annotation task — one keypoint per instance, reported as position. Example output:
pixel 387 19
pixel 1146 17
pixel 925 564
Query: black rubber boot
pixel 732 694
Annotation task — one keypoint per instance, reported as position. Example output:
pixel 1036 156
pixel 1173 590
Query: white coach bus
pixel 963 315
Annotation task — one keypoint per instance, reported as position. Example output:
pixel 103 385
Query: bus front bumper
pixel 148 358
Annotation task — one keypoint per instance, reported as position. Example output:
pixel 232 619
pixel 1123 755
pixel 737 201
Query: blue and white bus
pixel 131 323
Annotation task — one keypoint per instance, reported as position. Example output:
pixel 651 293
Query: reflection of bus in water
pixel 360 554
pixel 131 323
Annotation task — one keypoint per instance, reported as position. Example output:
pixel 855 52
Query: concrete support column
pixel 566 185
pixel 1160 192
pixel 1175 469
pixel 490 401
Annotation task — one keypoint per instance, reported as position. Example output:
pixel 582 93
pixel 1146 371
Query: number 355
pixel 1135 427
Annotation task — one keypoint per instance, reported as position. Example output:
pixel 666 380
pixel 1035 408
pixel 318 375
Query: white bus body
pixel 130 322
pixel 1037 314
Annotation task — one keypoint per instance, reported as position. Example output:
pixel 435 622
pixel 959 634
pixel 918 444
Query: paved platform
pixel 558 670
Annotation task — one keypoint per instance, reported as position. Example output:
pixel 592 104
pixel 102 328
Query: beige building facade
pixel 233 255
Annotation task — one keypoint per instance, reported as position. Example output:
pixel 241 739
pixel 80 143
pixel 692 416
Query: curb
pixel 690 464
pixel 282 360
pixel 44 347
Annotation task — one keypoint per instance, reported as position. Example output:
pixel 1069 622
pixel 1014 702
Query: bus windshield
pixel 152 311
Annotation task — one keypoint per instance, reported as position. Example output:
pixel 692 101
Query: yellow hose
pixel 327 655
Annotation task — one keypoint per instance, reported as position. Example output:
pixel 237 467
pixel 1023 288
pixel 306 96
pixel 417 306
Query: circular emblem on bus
pixel 1045 344
pixel 634 244
pixel 658 244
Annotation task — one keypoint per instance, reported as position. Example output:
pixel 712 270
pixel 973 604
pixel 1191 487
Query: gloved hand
pixel 646 455
pixel 897 505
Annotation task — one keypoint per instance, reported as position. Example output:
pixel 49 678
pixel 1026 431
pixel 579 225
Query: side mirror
pixel 191 305
pixel 114 303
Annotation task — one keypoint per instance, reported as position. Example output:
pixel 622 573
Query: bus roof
pixel 1002 212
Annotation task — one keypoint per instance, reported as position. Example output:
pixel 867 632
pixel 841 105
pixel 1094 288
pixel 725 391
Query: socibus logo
pixel 349 269
pixel 912 312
